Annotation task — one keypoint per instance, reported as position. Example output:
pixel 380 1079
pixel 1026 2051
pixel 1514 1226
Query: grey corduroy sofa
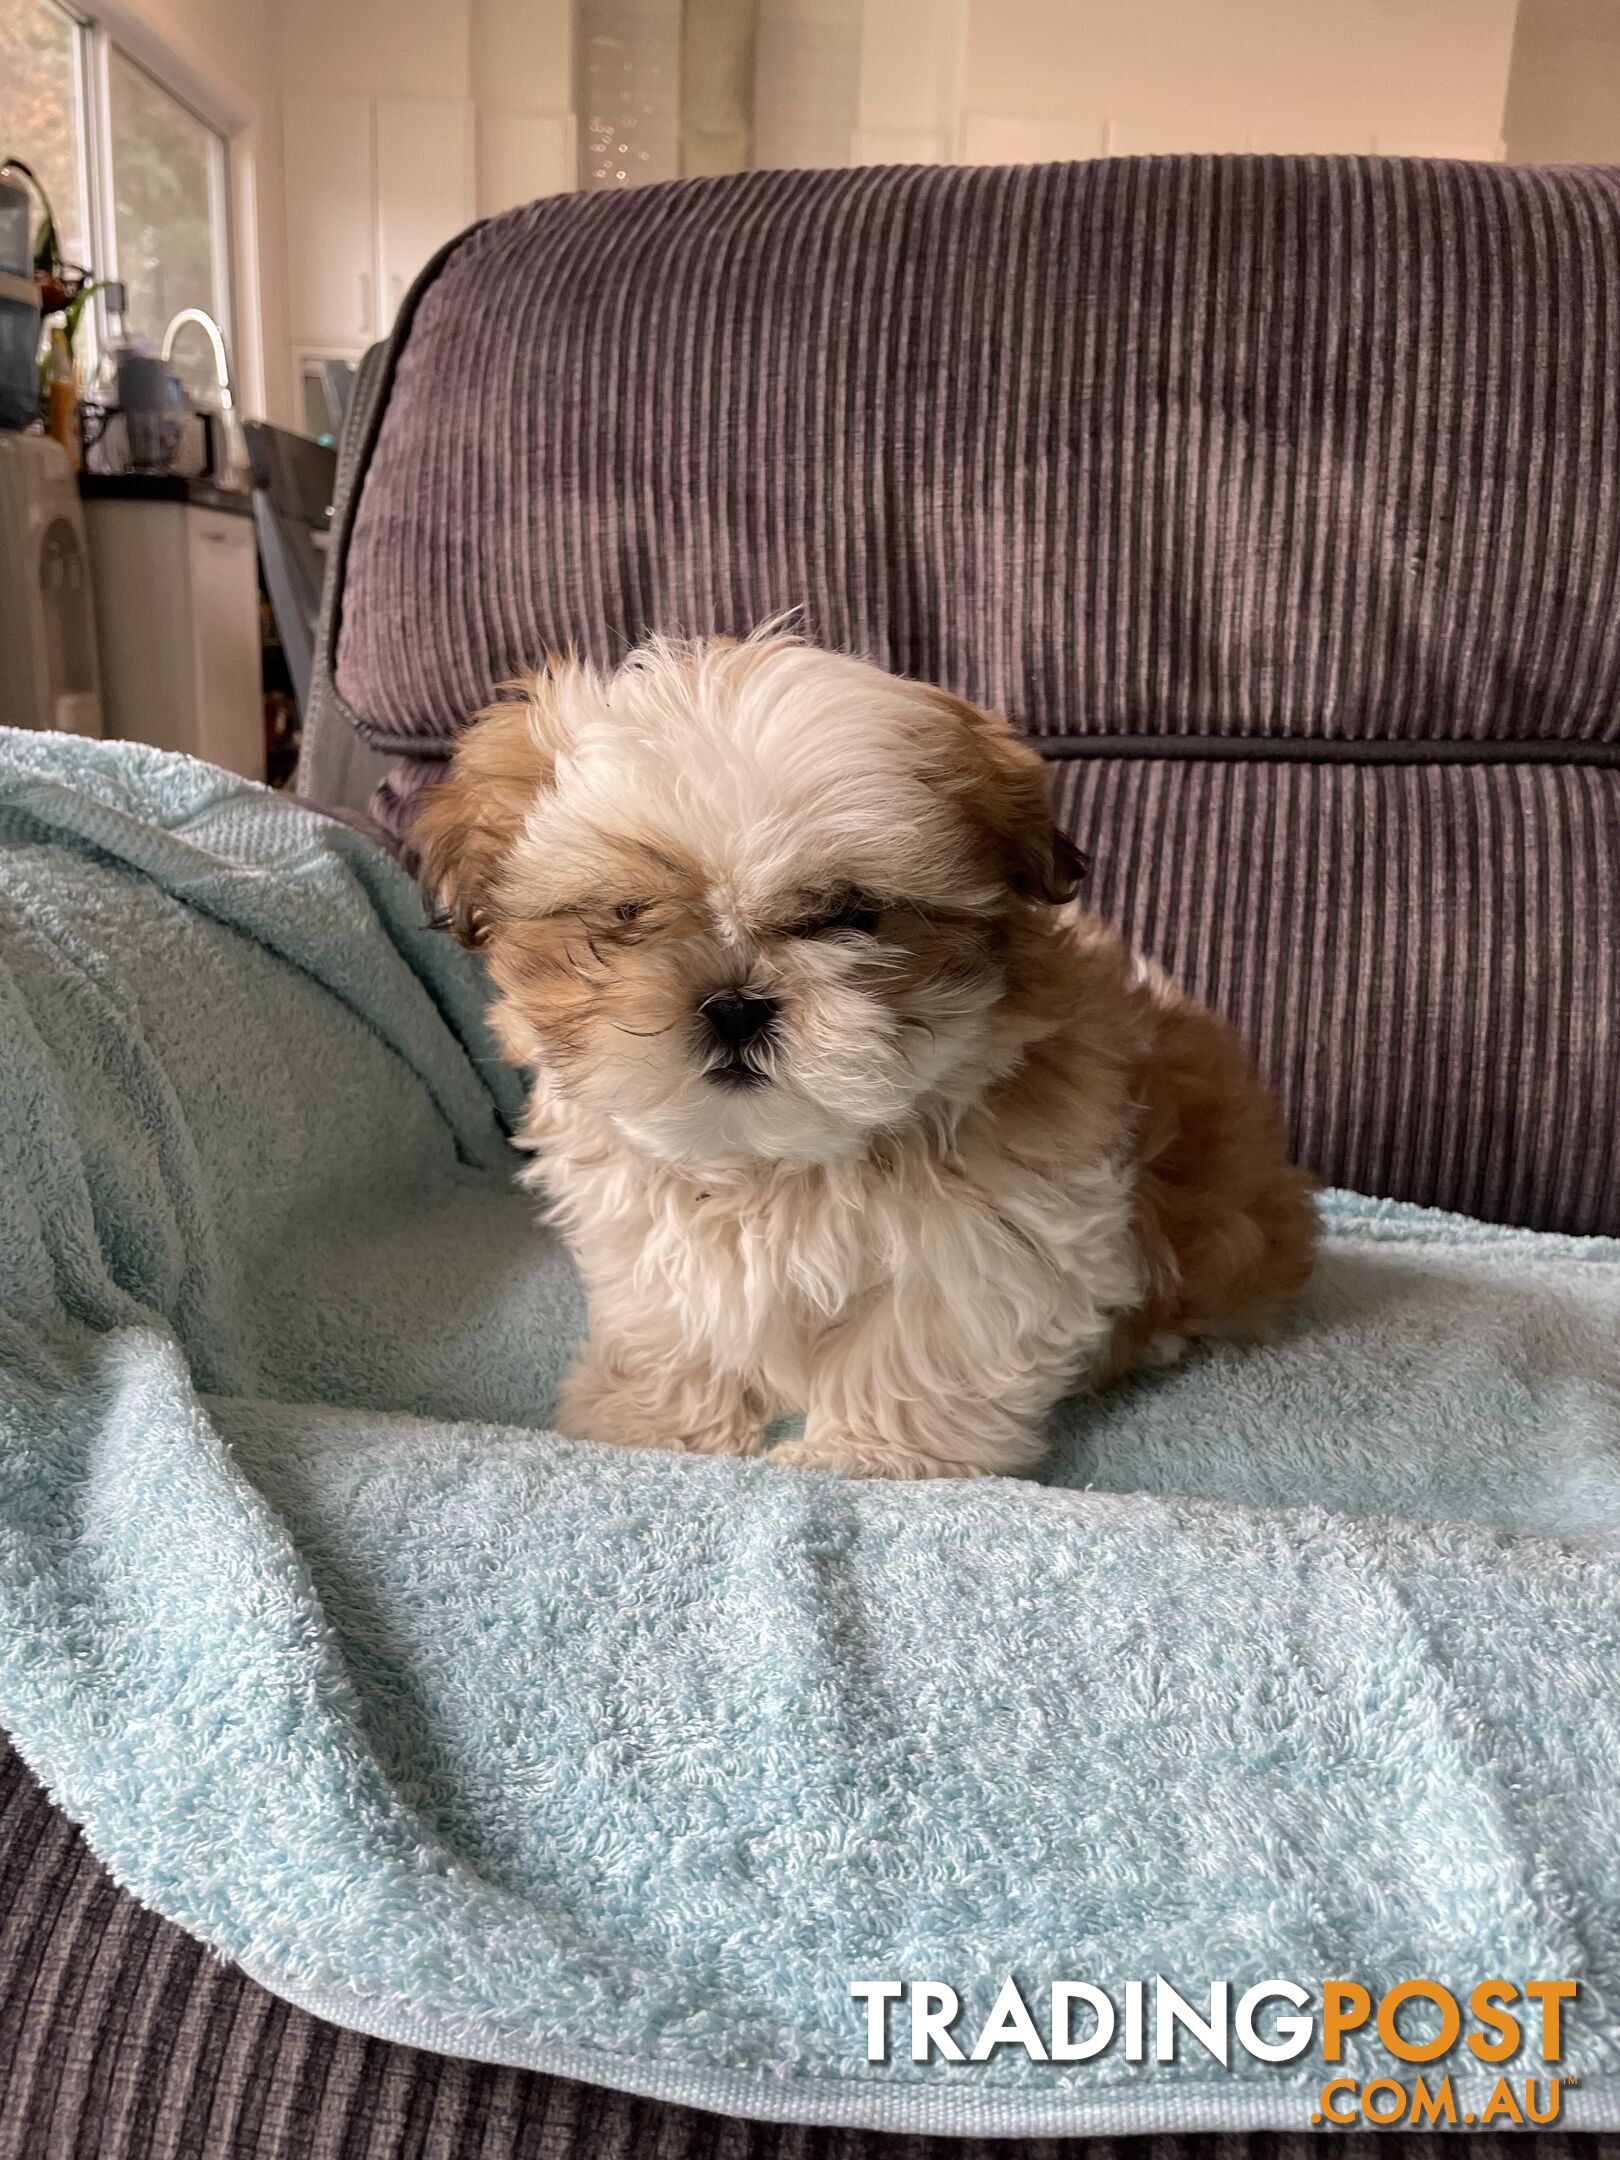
pixel 1276 500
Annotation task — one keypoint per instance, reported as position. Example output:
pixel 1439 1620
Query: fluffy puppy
pixel 842 1104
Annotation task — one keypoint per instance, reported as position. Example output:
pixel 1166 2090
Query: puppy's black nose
pixel 738 1017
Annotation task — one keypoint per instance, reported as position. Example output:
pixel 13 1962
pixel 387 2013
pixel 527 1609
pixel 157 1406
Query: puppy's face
pixel 744 899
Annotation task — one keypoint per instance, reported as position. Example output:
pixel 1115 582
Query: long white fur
pixel 925 1316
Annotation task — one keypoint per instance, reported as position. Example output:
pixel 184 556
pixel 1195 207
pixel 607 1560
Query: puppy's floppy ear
pixel 1001 783
pixel 467 824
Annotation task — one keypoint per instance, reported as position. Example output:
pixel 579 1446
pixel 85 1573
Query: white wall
pixel 220 55
pixel 1564 95
pixel 807 69
pixel 911 81
pixel 391 48
pixel 992 81
pixel 522 82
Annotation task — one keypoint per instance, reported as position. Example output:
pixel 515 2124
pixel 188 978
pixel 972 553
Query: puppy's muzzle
pixel 740 1023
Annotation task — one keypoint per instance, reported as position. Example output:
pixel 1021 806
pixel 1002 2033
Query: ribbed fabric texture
pixel 1314 455
pixel 1425 959
pixel 1189 446
pixel 123 2039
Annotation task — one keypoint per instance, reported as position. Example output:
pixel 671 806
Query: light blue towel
pixel 1302 1663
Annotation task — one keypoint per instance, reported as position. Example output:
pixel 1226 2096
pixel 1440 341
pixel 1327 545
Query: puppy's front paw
pixel 719 1440
pixel 852 1456
pixel 703 1443
pixel 627 1408
pixel 706 1440
pixel 1164 1348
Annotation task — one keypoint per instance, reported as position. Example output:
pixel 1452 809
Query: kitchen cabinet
pixel 176 581
pixel 330 161
pixel 373 187
pixel 426 187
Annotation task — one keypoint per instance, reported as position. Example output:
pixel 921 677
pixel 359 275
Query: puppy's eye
pixel 628 910
pixel 855 912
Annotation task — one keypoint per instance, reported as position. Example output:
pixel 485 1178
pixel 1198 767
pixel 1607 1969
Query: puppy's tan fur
pixel 980 1157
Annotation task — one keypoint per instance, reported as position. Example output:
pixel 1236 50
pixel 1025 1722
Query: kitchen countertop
pixel 165 487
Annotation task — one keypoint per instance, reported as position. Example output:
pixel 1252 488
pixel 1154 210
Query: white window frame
pixel 96 37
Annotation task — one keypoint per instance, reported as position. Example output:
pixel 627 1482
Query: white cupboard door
pixel 331 268
pixel 229 698
pixel 425 187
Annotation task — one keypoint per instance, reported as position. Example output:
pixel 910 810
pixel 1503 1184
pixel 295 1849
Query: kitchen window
pixel 135 176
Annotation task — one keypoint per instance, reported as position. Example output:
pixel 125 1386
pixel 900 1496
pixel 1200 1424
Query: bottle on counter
pixel 62 397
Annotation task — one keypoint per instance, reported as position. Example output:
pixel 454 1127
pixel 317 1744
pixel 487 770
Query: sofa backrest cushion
pixel 1278 500
pixel 1173 446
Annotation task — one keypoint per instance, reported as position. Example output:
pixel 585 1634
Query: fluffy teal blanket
pixel 1302 1663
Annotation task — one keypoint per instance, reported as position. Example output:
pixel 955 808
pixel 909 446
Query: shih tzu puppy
pixel 842 1104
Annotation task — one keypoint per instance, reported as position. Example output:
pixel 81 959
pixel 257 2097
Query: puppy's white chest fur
pixel 918 1275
